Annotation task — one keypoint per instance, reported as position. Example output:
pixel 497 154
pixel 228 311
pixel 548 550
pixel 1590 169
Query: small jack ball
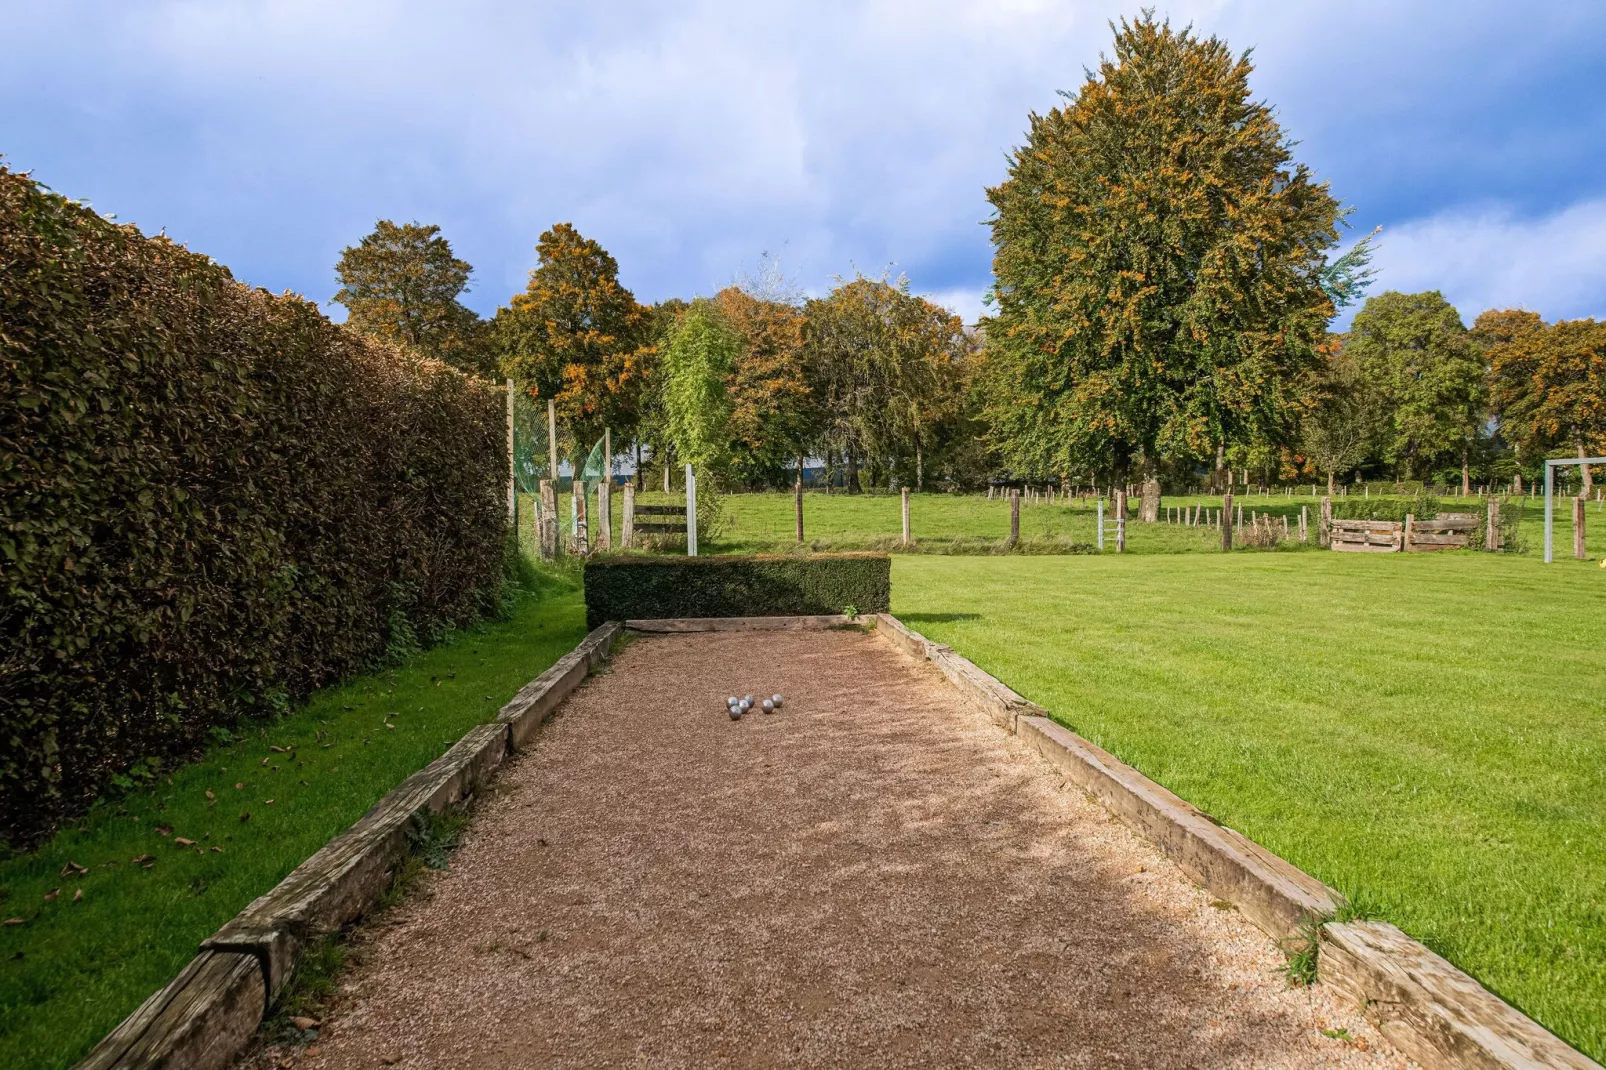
pixel 777 700
pixel 736 713
pixel 768 707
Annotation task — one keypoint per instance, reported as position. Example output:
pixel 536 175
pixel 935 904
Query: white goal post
pixel 1550 493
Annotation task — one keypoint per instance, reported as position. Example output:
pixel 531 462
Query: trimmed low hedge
pixel 655 588
pixel 212 500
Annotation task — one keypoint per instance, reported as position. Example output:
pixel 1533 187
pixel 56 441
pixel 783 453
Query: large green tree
pixel 773 416
pixel 401 284
pixel 699 353
pixel 1548 384
pixel 1160 266
pixel 1340 426
pixel 1414 351
pixel 882 364
pixel 578 336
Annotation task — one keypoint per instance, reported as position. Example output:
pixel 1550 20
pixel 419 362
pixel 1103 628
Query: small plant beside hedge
pixel 656 588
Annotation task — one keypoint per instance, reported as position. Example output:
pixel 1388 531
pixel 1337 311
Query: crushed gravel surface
pixel 875 875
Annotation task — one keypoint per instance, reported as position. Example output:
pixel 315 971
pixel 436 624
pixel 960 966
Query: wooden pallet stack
pixel 1447 531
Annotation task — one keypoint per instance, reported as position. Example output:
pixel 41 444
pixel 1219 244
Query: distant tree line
pixel 1165 276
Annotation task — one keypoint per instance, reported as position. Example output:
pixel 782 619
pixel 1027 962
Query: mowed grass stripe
pixel 77 968
pixel 1425 733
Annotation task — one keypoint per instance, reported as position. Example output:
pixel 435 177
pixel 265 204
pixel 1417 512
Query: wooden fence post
pixel 1101 523
pixel 605 514
pixel 1405 535
pixel 549 519
pixel 1014 516
pixel 1304 523
pixel 1324 525
pixel 512 482
pixel 1491 530
pixel 628 527
pixel 582 530
pixel 906 516
pixel 1120 521
pixel 797 507
pixel 1226 521
pixel 1578 528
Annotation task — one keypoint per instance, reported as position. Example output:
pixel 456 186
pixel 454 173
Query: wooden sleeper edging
pixel 676 625
pixel 1430 1010
pixel 200 1020
pixel 537 699
pixel 1433 1012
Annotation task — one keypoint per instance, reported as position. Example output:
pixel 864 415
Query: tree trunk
pixel 853 472
pixel 1149 510
pixel 1589 480
pixel 638 466
pixel 666 471
pixel 1216 481
pixel 1330 480
pixel 920 470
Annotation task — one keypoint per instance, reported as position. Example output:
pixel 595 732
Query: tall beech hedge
pixel 631 587
pixel 212 500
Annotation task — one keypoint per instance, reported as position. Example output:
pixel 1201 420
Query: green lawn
pixel 971 524
pixel 1427 733
pixel 77 967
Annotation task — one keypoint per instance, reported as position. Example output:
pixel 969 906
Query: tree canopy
pixel 1414 350
pixel 577 336
pixel 1548 383
pixel 401 284
pixel 1160 265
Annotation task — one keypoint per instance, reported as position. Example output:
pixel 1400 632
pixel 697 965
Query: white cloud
pixel 1490 258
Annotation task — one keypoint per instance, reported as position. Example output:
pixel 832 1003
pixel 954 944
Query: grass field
pixel 255 808
pixel 972 524
pixel 1426 733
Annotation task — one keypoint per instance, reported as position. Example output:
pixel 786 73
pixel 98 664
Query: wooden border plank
pixel 200 1021
pixel 537 699
pixel 677 625
pixel 1432 1011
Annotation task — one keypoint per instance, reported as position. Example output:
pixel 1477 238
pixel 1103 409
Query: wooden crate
pixel 1367 536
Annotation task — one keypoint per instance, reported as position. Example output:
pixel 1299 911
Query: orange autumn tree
pixel 577 336
pixel 1548 383
pixel 772 412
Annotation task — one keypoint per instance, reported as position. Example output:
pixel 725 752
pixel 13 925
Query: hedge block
pixel 655 588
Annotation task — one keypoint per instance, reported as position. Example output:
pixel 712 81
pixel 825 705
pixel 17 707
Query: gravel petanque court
pixel 874 875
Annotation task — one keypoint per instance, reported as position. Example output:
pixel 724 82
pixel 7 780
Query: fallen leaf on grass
pixel 78 895
pixel 209 794
pixel 238 786
pixel 267 802
pixel 142 859
pixel 264 761
pixel 389 725
pixel 15 921
pixel 73 869
pixel 182 842
pixel 326 746
pixel 164 830
pixel 52 894
pixel 217 850
pixel 304 1023
pixel 280 750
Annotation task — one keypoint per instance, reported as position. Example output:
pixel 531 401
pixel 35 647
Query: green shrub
pixel 647 588
pixel 212 500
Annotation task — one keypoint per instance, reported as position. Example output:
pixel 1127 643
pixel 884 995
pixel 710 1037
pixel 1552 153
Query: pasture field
pixel 74 968
pixel 1426 733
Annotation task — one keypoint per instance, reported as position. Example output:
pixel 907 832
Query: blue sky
pixel 690 138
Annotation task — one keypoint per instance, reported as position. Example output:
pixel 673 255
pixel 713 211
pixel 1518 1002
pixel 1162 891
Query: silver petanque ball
pixel 776 699
pixel 768 707
pixel 748 700
pixel 736 713
pixel 733 700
